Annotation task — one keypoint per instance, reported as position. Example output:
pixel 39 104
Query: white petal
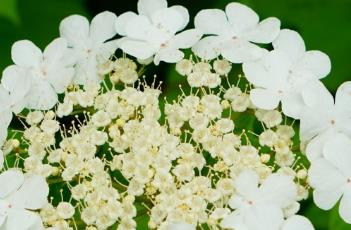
pixel 313 121
pixel 265 32
pixel 122 21
pixel 345 206
pixel 241 17
pixel 337 150
pixel 327 182
pixel 3 135
pixel 60 78
pixel 314 149
pixel 86 72
pixel 315 94
pixel 138 27
pixel 297 222
pixel 168 56
pixel 316 62
pixel 207 48
pixel 27 220
pixel 270 72
pixel 55 51
pixel 211 21
pixel 169 20
pixel 239 51
pixel 234 221
pixel 264 98
pixel 1 160
pixel 75 29
pixel 10 181
pixel 184 12
pixel 41 96
pixel 343 98
pixel 324 176
pixel 246 183
pixel 102 27
pixel 138 49
pixel 267 217
pixel 279 190
pixel 108 49
pixel 292 105
pixel 16 81
pixel 25 54
pixel 291 43
pixel 5 120
pixel 33 194
pixel 3 216
pixel 149 7
pixel 186 39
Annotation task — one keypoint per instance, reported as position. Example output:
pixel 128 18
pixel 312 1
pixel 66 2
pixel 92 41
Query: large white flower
pixel 277 191
pixel 153 33
pixel 285 74
pixel 233 32
pixel 19 194
pixel 330 176
pixel 89 43
pixel 324 115
pixel 271 218
pixel 49 72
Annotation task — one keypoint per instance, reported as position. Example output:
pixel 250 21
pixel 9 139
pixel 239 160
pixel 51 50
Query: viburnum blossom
pixel 46 73
pixel 154 32
pixel 19 195
pixel 89 44
pixel 286 74
pixel 233 33
pixel 276 191
pixel 330 176
pixel 223 154
pixel 326 114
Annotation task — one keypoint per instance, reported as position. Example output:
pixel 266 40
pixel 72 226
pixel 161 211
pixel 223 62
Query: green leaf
pixel 335 221
pixel 9 11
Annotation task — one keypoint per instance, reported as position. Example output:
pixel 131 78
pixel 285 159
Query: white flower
pixel 153 33
pixel 286 73
pixel 88 43
pixel 277 191
pixel 49 72
pixel 325 115
pixel 267 217
pixel 330 176
pixel 19 194
pixel 233 32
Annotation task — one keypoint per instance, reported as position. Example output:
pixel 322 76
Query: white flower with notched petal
pixel 326 115
pixel 330 176
pixel 19 194
pixel 89 43
pixel 154 32
pixel 49 72
pixel 285 74
pixel 271 218
pixel 277 191
pixel 233 32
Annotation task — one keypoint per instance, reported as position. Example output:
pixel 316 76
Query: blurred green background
pixel 324 24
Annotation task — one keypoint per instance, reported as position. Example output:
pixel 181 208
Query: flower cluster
pixel 99 149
